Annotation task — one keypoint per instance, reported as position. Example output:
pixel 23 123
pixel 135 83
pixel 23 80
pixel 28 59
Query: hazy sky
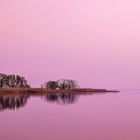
pixel 96 42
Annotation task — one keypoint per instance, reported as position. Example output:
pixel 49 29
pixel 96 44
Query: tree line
pixel 13 81
pixel 17 81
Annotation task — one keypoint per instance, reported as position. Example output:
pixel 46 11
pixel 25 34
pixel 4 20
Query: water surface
pixel 101 116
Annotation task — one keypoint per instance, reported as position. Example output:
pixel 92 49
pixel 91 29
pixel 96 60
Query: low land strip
pixel 43 90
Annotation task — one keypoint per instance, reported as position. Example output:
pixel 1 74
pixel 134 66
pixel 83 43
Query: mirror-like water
pixel 101 116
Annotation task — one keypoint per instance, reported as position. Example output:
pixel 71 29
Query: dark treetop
pixel 14 81
pixel 61 84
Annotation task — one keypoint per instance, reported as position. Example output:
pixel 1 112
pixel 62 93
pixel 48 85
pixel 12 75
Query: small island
pixel 18 84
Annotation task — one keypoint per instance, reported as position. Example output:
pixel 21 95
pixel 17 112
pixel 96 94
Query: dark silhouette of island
pixel 15 91
pixel 18 84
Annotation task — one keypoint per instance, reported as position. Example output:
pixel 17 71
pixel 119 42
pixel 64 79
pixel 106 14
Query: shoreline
pixel 42 90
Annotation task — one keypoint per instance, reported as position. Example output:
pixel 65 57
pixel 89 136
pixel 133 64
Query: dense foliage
pixel 61 84
pixel 8 81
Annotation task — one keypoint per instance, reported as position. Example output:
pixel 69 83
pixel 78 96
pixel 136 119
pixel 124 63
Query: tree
pixel 50 85
pixel 61 84
pixel 67 84
pixel 7 81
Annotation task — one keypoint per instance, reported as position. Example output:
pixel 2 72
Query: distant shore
pixel 43 90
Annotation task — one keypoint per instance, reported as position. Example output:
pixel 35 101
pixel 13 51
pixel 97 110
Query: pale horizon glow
pixel 96 42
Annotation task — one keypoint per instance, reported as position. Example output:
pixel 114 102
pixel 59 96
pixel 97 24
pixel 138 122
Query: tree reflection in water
pixel 12 102
pixel 61 98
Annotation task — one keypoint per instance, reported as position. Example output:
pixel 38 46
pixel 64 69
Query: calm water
pixel 110 116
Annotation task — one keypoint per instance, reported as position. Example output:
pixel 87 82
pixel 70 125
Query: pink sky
pixel 96 42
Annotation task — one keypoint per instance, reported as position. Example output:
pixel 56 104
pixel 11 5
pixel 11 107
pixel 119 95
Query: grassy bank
pixel 42 90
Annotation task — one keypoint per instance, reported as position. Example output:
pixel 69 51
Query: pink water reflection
pixel 100 116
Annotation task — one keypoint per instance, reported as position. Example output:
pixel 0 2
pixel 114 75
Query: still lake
pixel 101 116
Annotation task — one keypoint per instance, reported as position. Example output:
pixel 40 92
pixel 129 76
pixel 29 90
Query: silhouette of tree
pixel 67 84
pixel 13 81
pixel 61 84
pixel 50 85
